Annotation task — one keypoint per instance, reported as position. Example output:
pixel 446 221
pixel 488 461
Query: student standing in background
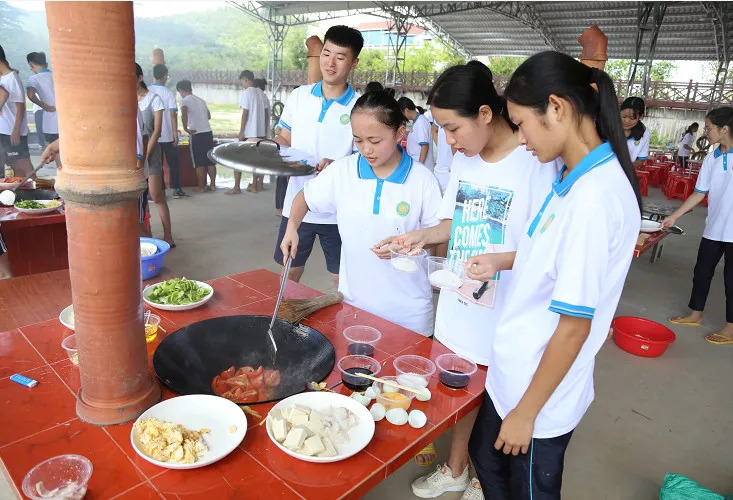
pixel 688 140
pixel 637 134
pixel 420 138
pixel 195 116
pixel 252 125
pixel 13 123
pixel 41 94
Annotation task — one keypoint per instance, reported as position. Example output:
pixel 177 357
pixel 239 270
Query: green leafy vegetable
pixel 29 204
pixel 177 291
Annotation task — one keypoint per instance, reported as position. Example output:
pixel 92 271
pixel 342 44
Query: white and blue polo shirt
pixel 572 260
pixel 42 83
pixel 320 128
pixel 169 101
pixel 639 148
pixel 367 210
pixel 421 135
pixel 716 180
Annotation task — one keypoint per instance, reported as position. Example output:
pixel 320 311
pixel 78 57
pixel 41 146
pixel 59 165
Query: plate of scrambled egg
pixel 188 432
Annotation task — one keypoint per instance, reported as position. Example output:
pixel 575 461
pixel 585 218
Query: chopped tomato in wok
pixel 246 384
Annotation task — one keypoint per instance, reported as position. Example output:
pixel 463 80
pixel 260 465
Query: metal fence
pixel 679 95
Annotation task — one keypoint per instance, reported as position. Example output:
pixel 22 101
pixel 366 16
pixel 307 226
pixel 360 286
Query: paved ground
pixel 651 416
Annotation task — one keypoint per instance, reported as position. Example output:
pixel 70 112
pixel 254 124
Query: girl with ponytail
pixel 494 185
pixel 716 182
pixel 420 138
pixel 568 274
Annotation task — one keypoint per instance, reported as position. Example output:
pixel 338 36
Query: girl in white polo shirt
pixel 686 143
pixel 637 134
pixel 420 139
pixel 374 193
pixel 569 270
pixel 716 182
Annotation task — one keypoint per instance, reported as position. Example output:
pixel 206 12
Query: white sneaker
pixel 442 480
pixel 473 492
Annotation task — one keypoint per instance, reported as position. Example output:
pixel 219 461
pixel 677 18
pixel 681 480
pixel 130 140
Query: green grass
pixel 225 119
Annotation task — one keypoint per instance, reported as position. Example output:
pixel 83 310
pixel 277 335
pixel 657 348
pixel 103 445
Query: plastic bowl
pixel 641 336
pixel 413 371
pixel 455 371
pixel 392 396
pixel 69 345
pixel 151 265
pixel 349 365
pixel 361 339
pixel 407 263
pixel 444 273
pixel 64 471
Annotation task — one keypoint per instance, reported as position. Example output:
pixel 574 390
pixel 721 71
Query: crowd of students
pixel 543 175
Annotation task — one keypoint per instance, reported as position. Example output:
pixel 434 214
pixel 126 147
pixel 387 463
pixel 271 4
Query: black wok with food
pixel 232 357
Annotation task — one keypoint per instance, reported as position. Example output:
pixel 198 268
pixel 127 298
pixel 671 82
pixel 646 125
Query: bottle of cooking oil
pixel 9 172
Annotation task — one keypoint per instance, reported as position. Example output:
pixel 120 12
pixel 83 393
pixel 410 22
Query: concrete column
pixel 595 45
pixel 93 48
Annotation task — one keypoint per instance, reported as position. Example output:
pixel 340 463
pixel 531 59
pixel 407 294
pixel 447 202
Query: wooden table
pixel 653 243
pixel 36 243
pixel 38 423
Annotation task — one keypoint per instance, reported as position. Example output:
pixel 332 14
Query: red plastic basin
pixel 641 336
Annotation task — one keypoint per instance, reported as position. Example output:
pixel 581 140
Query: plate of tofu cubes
pixel 320 427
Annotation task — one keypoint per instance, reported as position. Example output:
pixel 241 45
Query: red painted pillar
pixel 595 45
pixel 93 53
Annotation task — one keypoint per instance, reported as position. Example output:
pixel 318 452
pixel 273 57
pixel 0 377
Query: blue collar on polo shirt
pixel 399 176
pixel 600 155
pixel 343 99
pixel 158 84
pixel 718 153
pixel 45 70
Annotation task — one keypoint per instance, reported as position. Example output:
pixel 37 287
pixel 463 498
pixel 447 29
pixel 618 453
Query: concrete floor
pixel 651 416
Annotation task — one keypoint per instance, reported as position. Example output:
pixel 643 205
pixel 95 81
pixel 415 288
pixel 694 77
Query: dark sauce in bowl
pixel 361 349
pixel 354 382
pixel 454 379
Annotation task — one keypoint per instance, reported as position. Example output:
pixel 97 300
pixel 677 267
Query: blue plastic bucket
pixel 151 265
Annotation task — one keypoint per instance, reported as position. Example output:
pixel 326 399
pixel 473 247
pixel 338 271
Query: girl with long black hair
pixel 637 134
pixel 716 182
pixel 686 143
pixel 420 139
pixel 569 271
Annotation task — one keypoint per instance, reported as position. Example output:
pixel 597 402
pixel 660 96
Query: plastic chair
pixel 643 182
pixel 654 176
pixel 680 187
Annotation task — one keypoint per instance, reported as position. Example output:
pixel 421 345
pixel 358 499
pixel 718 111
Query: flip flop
pixel 428 450
pixel 717 339
pixel 677 320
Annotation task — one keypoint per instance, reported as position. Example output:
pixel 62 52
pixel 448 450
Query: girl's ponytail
pixel 610 128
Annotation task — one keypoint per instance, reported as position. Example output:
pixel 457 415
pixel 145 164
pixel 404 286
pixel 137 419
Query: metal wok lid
pixel 261 157
pixel 188 360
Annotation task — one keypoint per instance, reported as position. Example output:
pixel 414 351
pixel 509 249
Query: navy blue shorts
pixel 330 239
pixel 535 475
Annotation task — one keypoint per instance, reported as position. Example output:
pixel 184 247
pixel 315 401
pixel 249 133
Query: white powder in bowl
pixel 442 278
pixel 404 264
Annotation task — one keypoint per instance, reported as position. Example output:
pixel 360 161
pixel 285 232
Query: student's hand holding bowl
pixel 409 244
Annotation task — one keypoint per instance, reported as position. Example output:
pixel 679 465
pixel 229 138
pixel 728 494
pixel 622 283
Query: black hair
pixel 406 103
pixel 720 117
pixel 384 107
pixel 467 87
pixel 343 36
pixel 373 87
pixel 697 125
pixel 261 83
pixel 2 55
pixel 37 58
pixel 390 91
pixel 554 73
pixel 160 71
pixel 184 85
pixel 637 105
pixel 139 73
pixel 248 75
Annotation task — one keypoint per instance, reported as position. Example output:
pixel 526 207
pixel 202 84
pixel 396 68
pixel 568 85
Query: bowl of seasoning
pixel 445 273
pixel 413 371
pixel 392 396
pixel 351 366
pixel 407 262
pixel 361 339
pixel 69 345
pixel 455 371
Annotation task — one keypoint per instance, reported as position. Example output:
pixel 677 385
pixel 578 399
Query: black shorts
pixel 51 137
pixel 10 151
pixel 330 239
pixel 201 144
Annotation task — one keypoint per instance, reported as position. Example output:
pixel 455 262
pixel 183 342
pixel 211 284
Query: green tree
pixel 505 65
pixel 618 69
pixel 430 57
pixel 372 60
pixel 296 53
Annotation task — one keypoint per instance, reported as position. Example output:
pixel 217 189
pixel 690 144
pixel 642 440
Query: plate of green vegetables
pixel 37 206
pixel 177 294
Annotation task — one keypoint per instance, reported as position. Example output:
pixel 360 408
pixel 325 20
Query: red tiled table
pixel 39 423
pixel 654 242
pixel 36 243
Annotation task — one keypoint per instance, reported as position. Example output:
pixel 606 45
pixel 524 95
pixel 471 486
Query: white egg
pixel 417 419
pixel 378 411
pixel 375 387
pixel 371 393
pixel 425 395
pixel 397 416
pixel 412 380
pixel 361 398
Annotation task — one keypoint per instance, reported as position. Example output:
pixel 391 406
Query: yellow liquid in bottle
pixel 151 332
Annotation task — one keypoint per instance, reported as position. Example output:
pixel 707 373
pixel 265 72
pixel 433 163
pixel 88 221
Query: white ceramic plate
pixel 360 435
pixel 36 211
pixel 650 226
pixel 184 307
pixel 194 412
pixel 67 317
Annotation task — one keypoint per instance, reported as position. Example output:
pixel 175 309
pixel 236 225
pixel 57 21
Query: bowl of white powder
pixel 407 261
pixel 445 273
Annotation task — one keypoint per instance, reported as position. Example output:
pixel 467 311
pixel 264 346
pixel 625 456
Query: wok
pixel 188 359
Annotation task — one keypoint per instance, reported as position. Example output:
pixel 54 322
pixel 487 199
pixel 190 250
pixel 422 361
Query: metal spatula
pixel 9 198
pixel 283 281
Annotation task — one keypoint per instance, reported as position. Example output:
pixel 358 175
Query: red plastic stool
pixel 654 176
pixel 681 188
pixel 643 182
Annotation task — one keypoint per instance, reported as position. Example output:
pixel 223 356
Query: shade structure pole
pixel 100 183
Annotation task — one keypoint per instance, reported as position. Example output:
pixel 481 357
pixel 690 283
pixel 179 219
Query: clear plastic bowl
pixel 151 328
pixel 455 371
pixel 407 263
pixel 69 345
pixel 444 273
pixel 413 371
pixel 395 397
pixel 361 339
pixel 349 365
pixel 69 473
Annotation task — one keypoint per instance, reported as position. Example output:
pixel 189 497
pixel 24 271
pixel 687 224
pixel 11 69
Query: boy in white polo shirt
pixel 41 93
pixel 316 120
pixel 13 122
pixel 195 116
pixel 252 126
